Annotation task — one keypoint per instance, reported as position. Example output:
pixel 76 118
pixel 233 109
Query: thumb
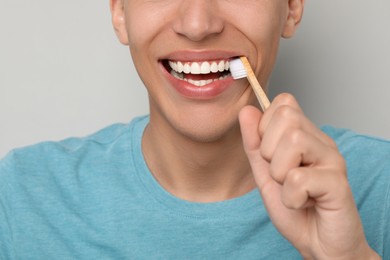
pixel 249 119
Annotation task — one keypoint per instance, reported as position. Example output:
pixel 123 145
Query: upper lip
pixel 191 56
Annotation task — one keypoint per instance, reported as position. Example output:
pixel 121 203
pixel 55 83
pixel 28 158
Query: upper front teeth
pixel 204 67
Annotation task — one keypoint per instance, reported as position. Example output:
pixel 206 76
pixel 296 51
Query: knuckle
pixel 295 178
pixel 292 201
pixel 295 137
pixel 294 194
pixel 286 99
pixel 288 202
pixel 284 112
pixel 287 115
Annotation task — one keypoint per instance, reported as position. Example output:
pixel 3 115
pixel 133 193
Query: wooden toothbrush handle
pixel 259 92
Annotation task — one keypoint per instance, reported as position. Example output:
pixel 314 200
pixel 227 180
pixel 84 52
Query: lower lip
pixel 209 91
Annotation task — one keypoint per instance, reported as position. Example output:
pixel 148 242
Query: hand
pixel 302 179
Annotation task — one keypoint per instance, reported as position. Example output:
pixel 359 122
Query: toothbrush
pixel 240 68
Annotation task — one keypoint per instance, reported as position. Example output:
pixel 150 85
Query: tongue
pixel 203 76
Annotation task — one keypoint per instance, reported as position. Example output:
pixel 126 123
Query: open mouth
pixel 199 73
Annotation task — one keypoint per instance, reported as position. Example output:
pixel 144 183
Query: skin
pixel 223 146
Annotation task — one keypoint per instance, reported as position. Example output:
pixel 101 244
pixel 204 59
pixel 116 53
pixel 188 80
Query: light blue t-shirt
pixel 94 198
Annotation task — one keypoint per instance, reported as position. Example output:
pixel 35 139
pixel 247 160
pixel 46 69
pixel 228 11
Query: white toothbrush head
pixel 237 69
pixel 241 68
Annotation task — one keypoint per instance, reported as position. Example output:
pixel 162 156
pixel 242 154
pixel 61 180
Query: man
pixel 184 182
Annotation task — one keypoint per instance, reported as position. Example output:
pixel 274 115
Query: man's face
pixel 181 50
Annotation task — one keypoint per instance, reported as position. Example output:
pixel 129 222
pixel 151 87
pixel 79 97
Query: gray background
pixel 63 72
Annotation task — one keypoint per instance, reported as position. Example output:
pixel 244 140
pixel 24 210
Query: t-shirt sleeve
pixel 6 247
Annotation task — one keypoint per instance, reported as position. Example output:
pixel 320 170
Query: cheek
pixel 259 21
pixel 261 26
pixel 137 34
pixel 264 36
pixel 145 19
pixel 142 27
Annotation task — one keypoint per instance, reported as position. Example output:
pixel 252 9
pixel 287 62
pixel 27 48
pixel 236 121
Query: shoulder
pixel 60 155
pixel 367 157
pixel 354 145
pixel 368 166
pixel 368 162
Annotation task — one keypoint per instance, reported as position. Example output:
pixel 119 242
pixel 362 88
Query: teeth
pixel 180 68
pixel 173 65
pixel 177 75
pixel 186 68
pixel 195 68
pixel 214 66
pixel 199 83
pixel 204 67
pixel 221 66
pixel 227 65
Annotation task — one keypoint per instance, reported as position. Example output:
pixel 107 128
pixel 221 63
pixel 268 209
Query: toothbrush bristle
pixel 237 69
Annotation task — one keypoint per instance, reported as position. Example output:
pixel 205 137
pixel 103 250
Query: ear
pixel 118 20
pixel 295 12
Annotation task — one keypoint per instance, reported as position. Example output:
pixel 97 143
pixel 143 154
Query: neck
pixel 198 171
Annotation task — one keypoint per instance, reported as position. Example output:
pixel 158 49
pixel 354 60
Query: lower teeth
pixel 199 83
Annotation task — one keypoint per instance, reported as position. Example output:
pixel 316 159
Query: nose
pixel 198 19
